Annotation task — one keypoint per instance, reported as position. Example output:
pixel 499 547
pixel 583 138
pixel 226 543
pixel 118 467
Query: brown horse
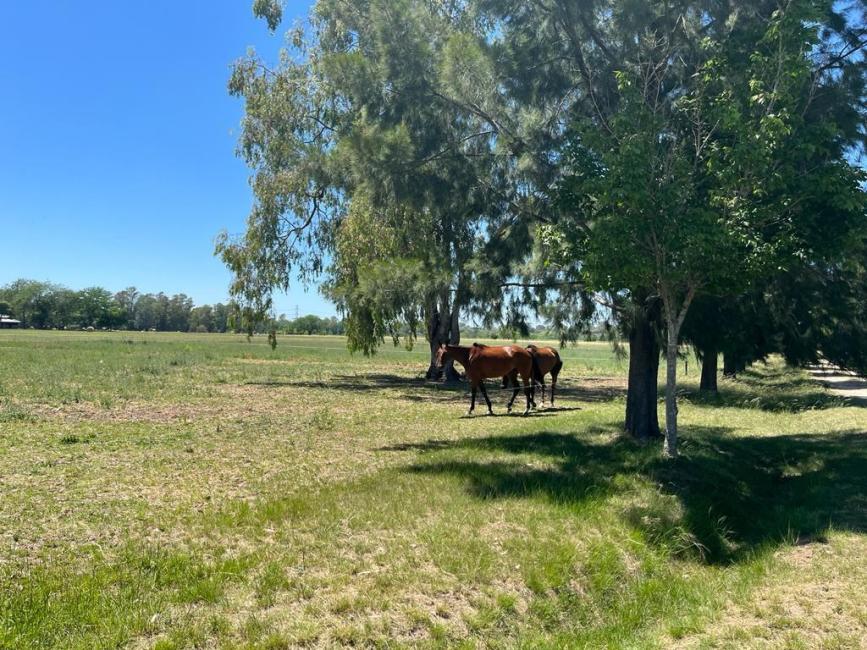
pixel 547 360
pixel 485 362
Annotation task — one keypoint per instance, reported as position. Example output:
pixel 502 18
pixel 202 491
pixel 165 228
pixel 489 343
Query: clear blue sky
pixel 117 162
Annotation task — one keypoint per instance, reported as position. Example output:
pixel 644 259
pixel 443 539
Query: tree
pixel 30 301
pixel 95 307
pixel 695 173
pixel 202 319
pixel 126 300
pixel 668 149
pixel 220 318
pixel 146 312
pixel 388 116
pixel 385 278
pixel 177 313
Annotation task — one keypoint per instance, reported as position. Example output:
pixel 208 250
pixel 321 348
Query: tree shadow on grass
pixel 590 390
pixel 367 381
pixel 418 389
pixel 768 389
pixel 410 388
pixel 516 412
pixel 737 495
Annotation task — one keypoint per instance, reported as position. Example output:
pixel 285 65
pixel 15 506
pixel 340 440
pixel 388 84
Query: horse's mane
pixel 536 348
pixel 479 345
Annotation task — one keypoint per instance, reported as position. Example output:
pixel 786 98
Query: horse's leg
pixel 553 386
pixel 514 395
pixel 473 398
pixel 526 378
pixel 485 395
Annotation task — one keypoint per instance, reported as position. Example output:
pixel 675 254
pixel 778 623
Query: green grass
pixel 173 491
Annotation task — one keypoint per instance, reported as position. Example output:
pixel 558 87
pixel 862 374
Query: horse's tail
pixel 537 371
pixel 558 365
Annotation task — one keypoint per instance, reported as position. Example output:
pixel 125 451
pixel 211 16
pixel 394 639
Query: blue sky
pixel 117 162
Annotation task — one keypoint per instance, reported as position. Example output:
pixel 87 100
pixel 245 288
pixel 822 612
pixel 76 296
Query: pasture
pixel 189 490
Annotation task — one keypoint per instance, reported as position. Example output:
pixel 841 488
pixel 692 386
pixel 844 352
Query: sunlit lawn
pixel 178 490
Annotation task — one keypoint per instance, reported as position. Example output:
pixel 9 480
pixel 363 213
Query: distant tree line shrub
pixel 45 305
pixel 309 324
pixel 541 332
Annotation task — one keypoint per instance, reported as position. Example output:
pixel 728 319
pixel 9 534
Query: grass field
pixel 174 491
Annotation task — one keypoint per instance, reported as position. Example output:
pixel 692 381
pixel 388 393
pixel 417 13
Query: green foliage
pixel 387 112
pixel 707 157
pixel 270 10
pixel 653 151
pixel 44 305
pixel 692 182
pixel 384 273
pixel 309 324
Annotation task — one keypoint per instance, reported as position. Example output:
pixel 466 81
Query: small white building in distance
pixel 8 322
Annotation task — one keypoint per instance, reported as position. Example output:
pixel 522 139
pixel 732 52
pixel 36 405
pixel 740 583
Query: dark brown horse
pixel 547 360
pixel 485 362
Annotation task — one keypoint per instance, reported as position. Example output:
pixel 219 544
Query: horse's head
pixel 441 356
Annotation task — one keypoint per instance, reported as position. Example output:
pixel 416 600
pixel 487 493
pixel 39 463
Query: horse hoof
pixel 527 412
pixel 490 412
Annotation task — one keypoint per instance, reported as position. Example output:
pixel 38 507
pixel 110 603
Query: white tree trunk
pixel 674 321
pixel 670 448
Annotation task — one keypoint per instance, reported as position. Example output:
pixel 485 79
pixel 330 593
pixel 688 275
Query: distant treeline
pixel 309 324
pixel 45 305
pixel 538 333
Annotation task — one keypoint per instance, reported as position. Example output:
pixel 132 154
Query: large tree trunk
pixel 730 365
pixel 433 327
pixel 709 370
pixel 443 327
pixel 454 338
pixel 642 419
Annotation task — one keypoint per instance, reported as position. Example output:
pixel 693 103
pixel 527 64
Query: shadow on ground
pixel 769 389
pixel 418 389
pixel 410 388
pixel 737 494
pixel 766 389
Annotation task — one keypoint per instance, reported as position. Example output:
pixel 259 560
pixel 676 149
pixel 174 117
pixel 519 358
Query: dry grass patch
pixel 817 598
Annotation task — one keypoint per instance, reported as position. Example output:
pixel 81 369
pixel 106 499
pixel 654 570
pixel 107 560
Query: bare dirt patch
pixel 842 382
